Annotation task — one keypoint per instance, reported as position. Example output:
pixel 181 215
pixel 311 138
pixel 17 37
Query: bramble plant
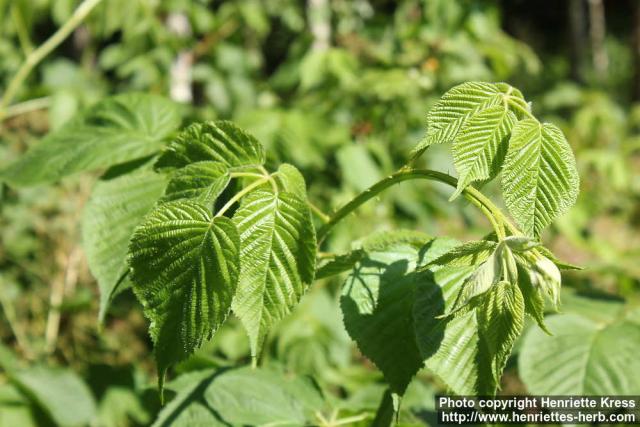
pixel 200 228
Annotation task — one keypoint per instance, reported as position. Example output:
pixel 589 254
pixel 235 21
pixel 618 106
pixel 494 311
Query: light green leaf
pixel 220 141
pixel 448 345
pixel 242 397
pixel 479 149
pixel 59 392
pixel 278 249
pixel 466 254
pixel 116 130
pixel 583 357
pixel 534 303
pixel 450 114
pixel 113 211
pixel 482 279
pixel 377 301
pixel 185 269
pixel 200 181
pixel 290 179
pixel 540 179
pixel 500 317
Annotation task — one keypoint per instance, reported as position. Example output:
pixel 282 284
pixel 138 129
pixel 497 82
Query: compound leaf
pixel 184 268
pixel 540 179
pixel 277 259
pixel 200 181
pixel 113 211
pixel 479 149
pixel 220 141
pixel 115 130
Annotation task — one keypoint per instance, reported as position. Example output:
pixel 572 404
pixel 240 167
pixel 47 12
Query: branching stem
pixel 45 49
pixel 240 194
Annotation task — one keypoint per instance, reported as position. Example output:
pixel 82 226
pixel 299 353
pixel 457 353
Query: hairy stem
pixel 43 50
pixel 493 214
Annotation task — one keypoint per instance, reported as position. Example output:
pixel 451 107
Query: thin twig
pixel 43 50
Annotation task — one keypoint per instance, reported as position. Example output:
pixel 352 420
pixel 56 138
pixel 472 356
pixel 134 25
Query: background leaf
pixel 59 392
pixel 115 130
pixel 113 211
pixel 585 355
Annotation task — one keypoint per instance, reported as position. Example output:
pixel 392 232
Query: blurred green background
pixel 340 89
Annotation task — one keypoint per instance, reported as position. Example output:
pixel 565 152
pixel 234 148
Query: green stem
pixel 240 194
pixel 27 106
pixel 21 29
pixel 43 50
pixel 478 199
pixel 316 210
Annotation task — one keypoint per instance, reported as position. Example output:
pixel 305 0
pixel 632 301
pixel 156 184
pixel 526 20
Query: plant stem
pixel 272 181
pixel 240 194
pixel 316 210
pixel 27 106
pixel 43 50
pixel 487 207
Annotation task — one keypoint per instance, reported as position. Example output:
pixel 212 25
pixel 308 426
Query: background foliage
pixel 341 90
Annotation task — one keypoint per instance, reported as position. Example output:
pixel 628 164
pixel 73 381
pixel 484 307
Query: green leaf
pixel 540 179
pixel 339 264
pixel 185 269
pixel 377 299
pixel 290 179
pixel 59 392
pixel 116 130
pixel 200 181
pixel 448 345
pixel 500 317
pixel 278 249
pixel 113 211
pixel 583 357
pixel 466 254
pixel 450 114
pixel 242 397
pixel 534 303
pixel 482 279
pixel 220 141
pixel 479 149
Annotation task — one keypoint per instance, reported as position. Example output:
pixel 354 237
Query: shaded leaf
pixel 200 181
pixel 113 211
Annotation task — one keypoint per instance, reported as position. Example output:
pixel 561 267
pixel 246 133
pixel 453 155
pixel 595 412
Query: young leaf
pixel 290 179
pixel 500 317
pixel 377 301
pixel 200 181
pixel 540 180
pixel 113 211
pixel 219 141
pixel 277 260
pixel 479 149
pixel 466 254
pixel 481 280
pixel 534 303
pixel 185 269
pixel 449 115
pixel 116 130
pixel 583 357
